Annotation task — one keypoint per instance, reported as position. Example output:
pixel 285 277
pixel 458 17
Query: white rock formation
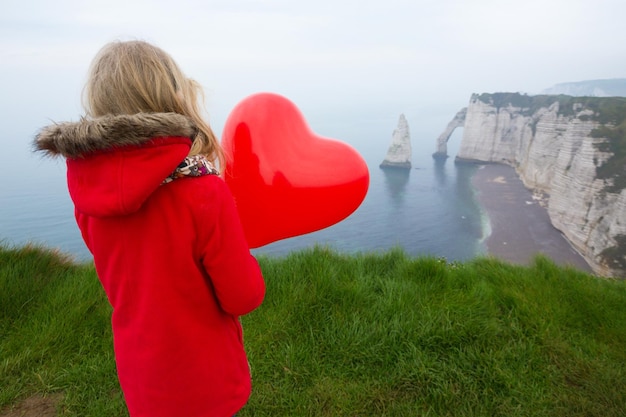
pixel 399 152
pixel 555 153
pixel 442 140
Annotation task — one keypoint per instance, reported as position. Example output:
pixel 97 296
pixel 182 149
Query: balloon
pixel 286 180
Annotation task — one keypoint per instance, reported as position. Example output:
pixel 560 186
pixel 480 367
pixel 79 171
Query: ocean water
pixel 428 210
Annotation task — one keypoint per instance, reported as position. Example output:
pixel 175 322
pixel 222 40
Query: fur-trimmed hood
pixel 77 139
pixel 114 163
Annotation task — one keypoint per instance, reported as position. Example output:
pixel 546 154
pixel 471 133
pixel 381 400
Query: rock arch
pixel 442 140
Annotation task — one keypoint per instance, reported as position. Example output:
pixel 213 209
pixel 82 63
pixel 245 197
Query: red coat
pixel 173 261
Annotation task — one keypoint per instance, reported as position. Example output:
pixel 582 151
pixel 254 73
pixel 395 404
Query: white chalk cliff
pixel 557 146
pixel 399 152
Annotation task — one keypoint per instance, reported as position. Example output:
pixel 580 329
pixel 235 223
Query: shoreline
pixel 519 224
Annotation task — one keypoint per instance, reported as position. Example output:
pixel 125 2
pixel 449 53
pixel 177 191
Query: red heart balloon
pixel 286 180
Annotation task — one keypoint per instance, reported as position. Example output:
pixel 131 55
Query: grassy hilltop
pixel 360 335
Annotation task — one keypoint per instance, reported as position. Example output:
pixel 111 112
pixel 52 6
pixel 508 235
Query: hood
pixel 114 163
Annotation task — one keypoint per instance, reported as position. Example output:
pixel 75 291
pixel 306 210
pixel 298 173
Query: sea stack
pixel 399 152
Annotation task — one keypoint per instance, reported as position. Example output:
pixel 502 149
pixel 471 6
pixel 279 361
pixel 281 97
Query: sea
pixel 429 210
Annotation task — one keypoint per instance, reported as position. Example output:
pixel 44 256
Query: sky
pixel 340 61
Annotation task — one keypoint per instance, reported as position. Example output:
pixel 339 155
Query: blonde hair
pixel 136 77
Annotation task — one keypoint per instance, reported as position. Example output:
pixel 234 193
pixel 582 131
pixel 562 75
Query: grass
pixel 349 335
pixel 55 333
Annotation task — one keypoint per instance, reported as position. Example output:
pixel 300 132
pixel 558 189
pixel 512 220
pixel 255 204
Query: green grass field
pixel 348 335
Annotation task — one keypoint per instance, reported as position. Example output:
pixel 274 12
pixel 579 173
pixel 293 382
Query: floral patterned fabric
pixel 192 166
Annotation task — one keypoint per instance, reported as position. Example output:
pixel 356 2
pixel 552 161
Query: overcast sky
pixel 329 56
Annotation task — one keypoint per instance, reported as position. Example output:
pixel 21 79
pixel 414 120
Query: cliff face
pixel 399 152
pixel 567 148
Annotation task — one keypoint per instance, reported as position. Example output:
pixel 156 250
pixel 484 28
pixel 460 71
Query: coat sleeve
pixel 235 274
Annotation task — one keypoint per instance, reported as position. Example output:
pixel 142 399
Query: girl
pixel 164 232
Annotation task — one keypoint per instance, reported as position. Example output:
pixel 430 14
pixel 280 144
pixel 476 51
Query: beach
pixel 519 223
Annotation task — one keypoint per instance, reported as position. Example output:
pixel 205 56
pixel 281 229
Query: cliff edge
pixel 573 149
